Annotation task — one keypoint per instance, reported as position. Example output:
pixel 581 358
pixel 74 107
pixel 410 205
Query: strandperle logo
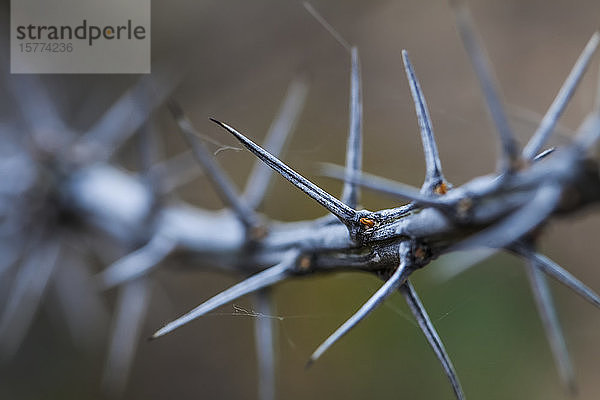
pixel 85 31
pixel 80 36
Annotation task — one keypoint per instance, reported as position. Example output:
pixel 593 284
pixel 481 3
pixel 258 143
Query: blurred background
pixel 239 58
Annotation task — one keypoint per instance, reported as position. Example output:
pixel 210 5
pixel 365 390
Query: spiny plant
pixel 502 211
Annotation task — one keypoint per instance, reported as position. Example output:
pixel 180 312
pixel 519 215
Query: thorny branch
pixel 505 210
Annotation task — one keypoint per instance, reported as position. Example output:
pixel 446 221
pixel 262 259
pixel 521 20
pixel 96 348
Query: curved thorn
pixel 346 214
pixel 264 339
pixel 351 193
pixel 559 104
pixel 138 263
pixel 398 278
pixel 517 224
pixel 266 278
pixel 545 306
pixel 557 272
pixel 279 132
pixel 418 310
pixel 489 86
pixel 221 182
pixel 383 185
pixel 434 175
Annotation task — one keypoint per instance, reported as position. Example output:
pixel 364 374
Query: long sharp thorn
pixel 517 224
pixel 346 214
pixel 549 267
pixel 383 185
pixel 545 306
pixel 389 287
pixel 420 314
pixel 220 180
pixel 351 192
pixel 128 113
pixel 279 132
pixel 263 279
pixel 264 338
pixel 434 175
pixel 559 104
pixel 489 86
pixel 132 308
pixel 138 263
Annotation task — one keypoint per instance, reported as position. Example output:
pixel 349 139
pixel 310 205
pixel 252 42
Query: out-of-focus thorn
pixel 517 224
pixel 265 339
pixel 221 182
pixel 433 175
pixel 545 306
pixel 543 132
pixel 150 151
pixel 420 314
pixel 266 278
pixel 82 304
pixel 277 137
pixel 39 113
pixel 346 214
pixel 509 230
pixel 588 133
pixel 138 263
pixel 531 120
pixel 328 27
pixel 489 86
pixel 383 185
pixel 132 307
pixel 390 286
pixel 549 267
pixel 26 294
pixel 597 105
pixel 597 99
pixel 176 171
pixel 128 114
